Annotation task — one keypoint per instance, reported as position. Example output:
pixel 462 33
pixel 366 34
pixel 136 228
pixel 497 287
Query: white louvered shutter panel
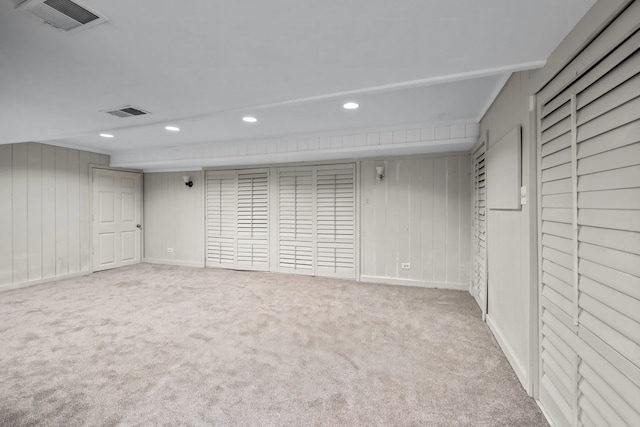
pixel 558 360
pixel 296 220
pixel 590 186
pixel 335 215
pixel 479 277
pixel 253 219
pixel 221 219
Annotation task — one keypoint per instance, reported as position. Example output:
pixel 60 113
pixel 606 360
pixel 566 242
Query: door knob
pixel 139 226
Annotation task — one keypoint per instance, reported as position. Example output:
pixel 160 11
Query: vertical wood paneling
pixel 35 211
pixel 392 225
pixel 73 210
pixel 380 218
pixel 403 218
pixel 49 211
pixel 368 236
pixel 421 216
pixel 509 256
pixel 440 204
pixel 427 219
pixel 84 206
pixel 20 217
pixel 62 211
pixel 465 226
pixel 414 229
pixel 44 211
pixel 6 214
pixel 174 218
pixel 453 219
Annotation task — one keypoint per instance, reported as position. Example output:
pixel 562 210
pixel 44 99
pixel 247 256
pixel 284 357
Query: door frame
pixel 92 167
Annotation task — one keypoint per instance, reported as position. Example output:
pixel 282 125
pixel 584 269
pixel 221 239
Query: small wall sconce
pixel 187 181
pixel 379 173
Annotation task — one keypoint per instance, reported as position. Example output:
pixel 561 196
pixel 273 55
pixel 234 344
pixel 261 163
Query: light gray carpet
pixel 161 345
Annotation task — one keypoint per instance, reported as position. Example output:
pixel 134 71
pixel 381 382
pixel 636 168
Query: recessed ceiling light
pixel 350 106
pixel 172 128
pixel 106 135
pixel 249 119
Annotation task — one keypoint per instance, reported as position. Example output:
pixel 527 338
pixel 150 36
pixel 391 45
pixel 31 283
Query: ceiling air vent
pixel 65 15
pixel 127 111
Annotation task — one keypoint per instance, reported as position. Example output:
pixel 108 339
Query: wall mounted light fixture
pixel 379 173
pixel 187 181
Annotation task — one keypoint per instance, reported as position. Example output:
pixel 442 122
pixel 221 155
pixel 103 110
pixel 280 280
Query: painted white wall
pixel 174 218
pixel 45 221
pixel 509 236
pixel 419 214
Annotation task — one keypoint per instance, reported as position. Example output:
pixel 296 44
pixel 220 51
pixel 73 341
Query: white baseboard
pixel 42 281
pixel 508 352
pixel 415 283
pixel 545 413
pixel 174 262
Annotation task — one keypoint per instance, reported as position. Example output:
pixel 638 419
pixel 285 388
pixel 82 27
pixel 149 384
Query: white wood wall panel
pixel 6 214
pixel 44 212
pixel 365 143
pixel 174 218
pixel 511 234
pixel 419 214
pixel 591 234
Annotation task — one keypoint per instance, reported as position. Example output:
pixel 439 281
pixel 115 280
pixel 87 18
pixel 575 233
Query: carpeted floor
pixel 162 345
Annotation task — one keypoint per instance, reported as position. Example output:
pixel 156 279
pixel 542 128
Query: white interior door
pixel 117 218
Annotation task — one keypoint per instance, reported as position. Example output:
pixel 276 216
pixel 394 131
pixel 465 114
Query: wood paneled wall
pixel 45 221
pixel 419 214
pixel 174 218
pixel 510 235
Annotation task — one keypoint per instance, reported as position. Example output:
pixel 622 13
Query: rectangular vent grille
pixel 72 10
pixel 127 111
pixel 65 15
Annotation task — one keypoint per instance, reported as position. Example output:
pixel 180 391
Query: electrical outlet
pixel 170 250
pixel 406 265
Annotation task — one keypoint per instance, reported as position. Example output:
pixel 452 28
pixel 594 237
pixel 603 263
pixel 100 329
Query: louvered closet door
pixel 253 219
pixel 558 357
pixel 479 277
pixel 238 219
pixel 221 219
pixel 590 185
pixel 335 215
pixel 296 206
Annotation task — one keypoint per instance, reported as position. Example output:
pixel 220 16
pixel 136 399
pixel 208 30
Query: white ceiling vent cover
pixel 128 111
pixel 65 15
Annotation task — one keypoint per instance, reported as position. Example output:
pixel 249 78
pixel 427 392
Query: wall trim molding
pixel 598 17
pixel 173 262
pixel 42 281
pixel 517 367
pixel 414 283
pixel 545 413
pixel 406 140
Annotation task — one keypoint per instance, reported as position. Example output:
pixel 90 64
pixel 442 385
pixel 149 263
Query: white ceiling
pixel 203 64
